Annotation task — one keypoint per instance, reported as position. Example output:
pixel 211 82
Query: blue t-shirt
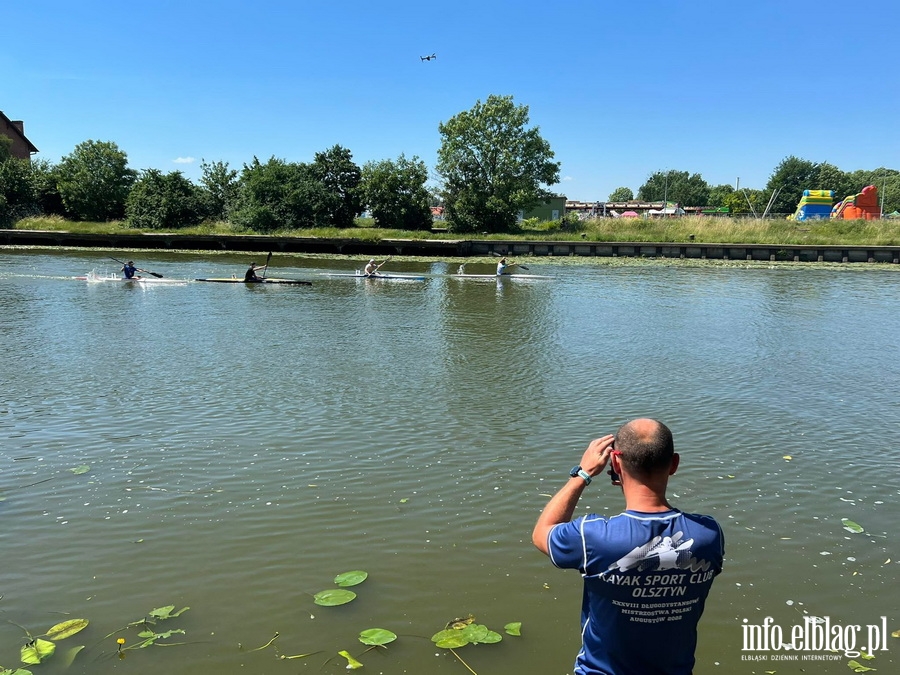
pixel 646 578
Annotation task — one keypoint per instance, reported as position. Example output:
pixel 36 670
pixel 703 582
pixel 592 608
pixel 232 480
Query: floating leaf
pixel 514 628
pixel 17 671
pixel 404 500
pixel 351 578
pixel 66 629
pixel 850 526
pixel 333 597
pixel 449 639
pixel 857 667
pixel 166 612
pixel 787 458
pixel 352 664
pixel 78 470
pixel 896 634
pixel 37 650
pixel 479 633
pixel 69 656
pixel 376 637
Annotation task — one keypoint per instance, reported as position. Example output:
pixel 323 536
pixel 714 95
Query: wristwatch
pixel 578 471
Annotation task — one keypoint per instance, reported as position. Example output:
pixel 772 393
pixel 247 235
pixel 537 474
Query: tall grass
pixel 699 229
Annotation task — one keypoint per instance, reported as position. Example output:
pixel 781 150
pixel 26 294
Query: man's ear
pixel 616 464
pixel 674 466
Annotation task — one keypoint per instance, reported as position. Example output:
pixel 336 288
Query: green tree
pixel 493 166
pixel 5 145
pixel 718 193
pixel 791 177
pixel 281 195
pixel 340 176
pixel 46 192
pixel 675 186
pixel 164 201
pixel 621 194
pixel 17 199
pixel 94 181
pixel 739 201
pixel 219 189
pixel 395 192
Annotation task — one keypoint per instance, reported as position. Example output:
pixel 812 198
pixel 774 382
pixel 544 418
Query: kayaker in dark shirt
pixel 250 276
pixel 128 269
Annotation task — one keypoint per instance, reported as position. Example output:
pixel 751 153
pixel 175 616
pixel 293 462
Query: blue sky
pixel 620 90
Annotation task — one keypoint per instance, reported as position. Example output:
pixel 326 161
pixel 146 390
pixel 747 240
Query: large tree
pixel 340 176
pixel 281 195
pixel 17 197
pixel 395 192
pixel 675 186
pixel 94 181
pixel 493 166
pixel 621 194
pixel 164 201
pixel 790 178
pixel 220 188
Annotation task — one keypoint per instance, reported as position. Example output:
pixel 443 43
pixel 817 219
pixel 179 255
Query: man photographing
pixel 647 571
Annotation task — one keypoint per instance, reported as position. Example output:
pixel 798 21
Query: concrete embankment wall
pixel 461 248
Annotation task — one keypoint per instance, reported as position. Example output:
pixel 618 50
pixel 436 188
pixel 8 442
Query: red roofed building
pixel 21 147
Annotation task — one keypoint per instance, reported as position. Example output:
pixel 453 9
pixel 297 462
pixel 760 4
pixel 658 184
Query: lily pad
pixel 514 628
pixel 850 526
pixel 36 651
pixel 857 667
pixel 334 597
pixel 377 637
pixel 449 639
pixel 351 578
pixel 478 633
pixel 17 671
pixel 78 470
pixel 167 613
pixel 66 629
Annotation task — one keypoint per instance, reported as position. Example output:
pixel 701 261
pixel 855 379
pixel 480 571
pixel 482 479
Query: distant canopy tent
pixel 630 214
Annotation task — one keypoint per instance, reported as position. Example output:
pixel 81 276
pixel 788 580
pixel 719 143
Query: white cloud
pixel 184 160
pixel 567 178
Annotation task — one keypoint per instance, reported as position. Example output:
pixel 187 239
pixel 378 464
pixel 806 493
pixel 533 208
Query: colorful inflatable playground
pixel 817 205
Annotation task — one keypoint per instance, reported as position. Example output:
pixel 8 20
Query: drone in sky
pixel 428 58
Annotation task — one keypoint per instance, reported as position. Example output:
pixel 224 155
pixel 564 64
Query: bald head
pixel 646 447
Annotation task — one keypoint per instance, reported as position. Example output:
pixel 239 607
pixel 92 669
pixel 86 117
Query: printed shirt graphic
pixel 646 578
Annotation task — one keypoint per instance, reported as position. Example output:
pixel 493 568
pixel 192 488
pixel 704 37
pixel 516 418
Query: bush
pixel 160 201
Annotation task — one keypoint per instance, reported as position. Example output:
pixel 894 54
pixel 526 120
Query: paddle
pixel 158 276
pixel 512 264
pixel 266 268
pixel 375 271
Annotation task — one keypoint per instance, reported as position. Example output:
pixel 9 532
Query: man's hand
pixel 596 457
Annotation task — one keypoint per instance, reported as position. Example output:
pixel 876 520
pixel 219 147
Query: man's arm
pixel 562 505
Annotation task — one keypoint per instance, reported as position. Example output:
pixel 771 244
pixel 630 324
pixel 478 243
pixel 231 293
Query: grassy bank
pixel 693 228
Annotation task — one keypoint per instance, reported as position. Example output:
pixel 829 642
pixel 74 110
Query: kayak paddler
pixel 128 269
pixel 250 275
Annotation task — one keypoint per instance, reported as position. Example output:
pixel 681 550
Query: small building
pixel 553 208
pixel 21 147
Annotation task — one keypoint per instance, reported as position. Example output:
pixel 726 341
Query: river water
pixel 232 449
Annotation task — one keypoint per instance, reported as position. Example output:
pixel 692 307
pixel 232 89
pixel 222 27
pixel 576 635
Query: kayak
pixel 499 277
pixel 95 278
pixel 375 277
pixel 234 280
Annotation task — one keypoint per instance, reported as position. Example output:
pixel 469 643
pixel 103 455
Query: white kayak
pixel 93 277
pixel 500 277
pixel 375 277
